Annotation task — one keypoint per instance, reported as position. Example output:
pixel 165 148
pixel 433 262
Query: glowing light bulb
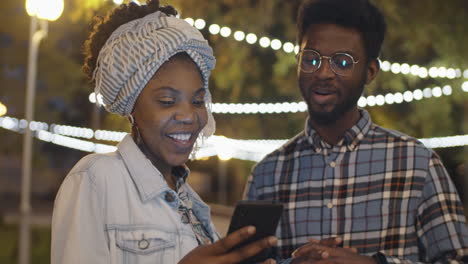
pixel 465 87
pixel 275 44
pixel 385 66
pixel 408 96
pixel 189 20
pixel 3 109
pixel 433 72
pixel 264 42
pixel 380 99
pixel 251 38
pixel 45 9
pixel 398 98
pixel 92 98
pixel 414 70
pixel 405 68
pixel 417 94
pixel 200 23
pixel 239 35
pixel 225 32
pixel 447 90
pixel 395 68
pixel 214 29
pixel 436 92
pixel 427 92
pixel 423 72
pixel 288 47
pixel 296 49
pixel 362 102
pixel 371 100
pixel 389 98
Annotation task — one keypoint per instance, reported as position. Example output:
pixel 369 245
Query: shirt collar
pixel 148 180
pixel 351 136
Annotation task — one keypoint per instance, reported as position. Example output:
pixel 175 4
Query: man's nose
pixel 325 71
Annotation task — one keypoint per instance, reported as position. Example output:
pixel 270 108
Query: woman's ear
pixel 131 119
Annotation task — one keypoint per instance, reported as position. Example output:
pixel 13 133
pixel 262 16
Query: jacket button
pixel 143 244
pixel 169 197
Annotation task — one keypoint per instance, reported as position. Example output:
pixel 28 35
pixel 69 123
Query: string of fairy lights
pixel 294 107
pixel 224 148
pixel 289 47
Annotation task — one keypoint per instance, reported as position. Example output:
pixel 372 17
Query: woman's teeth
pixel 180 137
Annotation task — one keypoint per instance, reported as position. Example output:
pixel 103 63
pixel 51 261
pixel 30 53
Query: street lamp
pixel 39 11
pixel 3 109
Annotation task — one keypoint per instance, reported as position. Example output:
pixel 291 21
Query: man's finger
pixel 317 252
pixel 329 242
pixel 251 249
pixel 310 251
pixel 269 261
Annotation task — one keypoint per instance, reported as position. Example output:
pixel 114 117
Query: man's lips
pixel 322 96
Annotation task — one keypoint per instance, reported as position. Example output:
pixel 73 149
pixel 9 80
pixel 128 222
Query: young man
pixel 362 193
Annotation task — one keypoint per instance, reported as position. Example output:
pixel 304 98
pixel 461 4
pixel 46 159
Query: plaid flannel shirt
pixel 378 189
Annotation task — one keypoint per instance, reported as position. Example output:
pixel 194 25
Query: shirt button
pixel 332 164
pixel 169 197
pixel 329 205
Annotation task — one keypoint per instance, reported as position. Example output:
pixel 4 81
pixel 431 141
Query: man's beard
pixel 328 118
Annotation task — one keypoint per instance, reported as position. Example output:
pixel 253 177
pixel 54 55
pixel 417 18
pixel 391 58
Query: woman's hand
pixel 219 252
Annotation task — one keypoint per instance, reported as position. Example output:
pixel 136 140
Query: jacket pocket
pixel 145 245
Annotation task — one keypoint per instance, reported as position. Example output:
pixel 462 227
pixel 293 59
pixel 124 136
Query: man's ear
pixel 373 67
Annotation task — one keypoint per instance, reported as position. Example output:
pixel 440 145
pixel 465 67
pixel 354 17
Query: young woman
pixel 133 205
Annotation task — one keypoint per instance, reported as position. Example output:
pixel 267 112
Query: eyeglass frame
pixel 299 58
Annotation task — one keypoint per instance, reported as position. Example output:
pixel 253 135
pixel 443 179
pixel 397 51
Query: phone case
pixel 264 215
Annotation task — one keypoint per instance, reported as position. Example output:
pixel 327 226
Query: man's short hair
pixel 357 14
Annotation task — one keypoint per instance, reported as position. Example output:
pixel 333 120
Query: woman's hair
pixel 104 26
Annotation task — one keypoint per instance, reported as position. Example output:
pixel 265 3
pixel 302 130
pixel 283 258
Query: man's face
pixel 329 96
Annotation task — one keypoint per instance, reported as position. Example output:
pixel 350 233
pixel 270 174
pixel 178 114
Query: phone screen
pixel 264 215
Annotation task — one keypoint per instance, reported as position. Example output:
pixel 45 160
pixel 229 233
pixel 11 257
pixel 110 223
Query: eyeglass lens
pixel 341 63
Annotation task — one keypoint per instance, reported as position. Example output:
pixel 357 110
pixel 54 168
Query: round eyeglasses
pixel 341 63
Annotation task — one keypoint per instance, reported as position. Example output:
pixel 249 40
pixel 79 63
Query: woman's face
pixel 170 112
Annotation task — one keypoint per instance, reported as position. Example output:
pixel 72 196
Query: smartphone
pixel 264 215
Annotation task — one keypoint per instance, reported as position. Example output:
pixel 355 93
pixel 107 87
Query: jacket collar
pixel 148 180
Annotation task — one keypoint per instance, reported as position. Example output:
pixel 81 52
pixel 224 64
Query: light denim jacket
pixel 112 208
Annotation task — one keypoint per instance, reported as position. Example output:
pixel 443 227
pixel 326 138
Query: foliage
pixel 40 241
pixel 434 35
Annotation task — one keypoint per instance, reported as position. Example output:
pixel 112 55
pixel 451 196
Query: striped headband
pixel 136 50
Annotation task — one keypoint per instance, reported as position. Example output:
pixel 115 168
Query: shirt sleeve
pixel 441 224
pixel 78 234
pixel 250 191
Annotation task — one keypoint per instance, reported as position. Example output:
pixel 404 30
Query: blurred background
pixel 422 91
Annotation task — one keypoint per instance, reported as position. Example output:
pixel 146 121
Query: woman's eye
pixel 167 102
pixel 198 102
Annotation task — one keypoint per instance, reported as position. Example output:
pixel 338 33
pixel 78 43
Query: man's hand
pixel 219 252
pixel 328 251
